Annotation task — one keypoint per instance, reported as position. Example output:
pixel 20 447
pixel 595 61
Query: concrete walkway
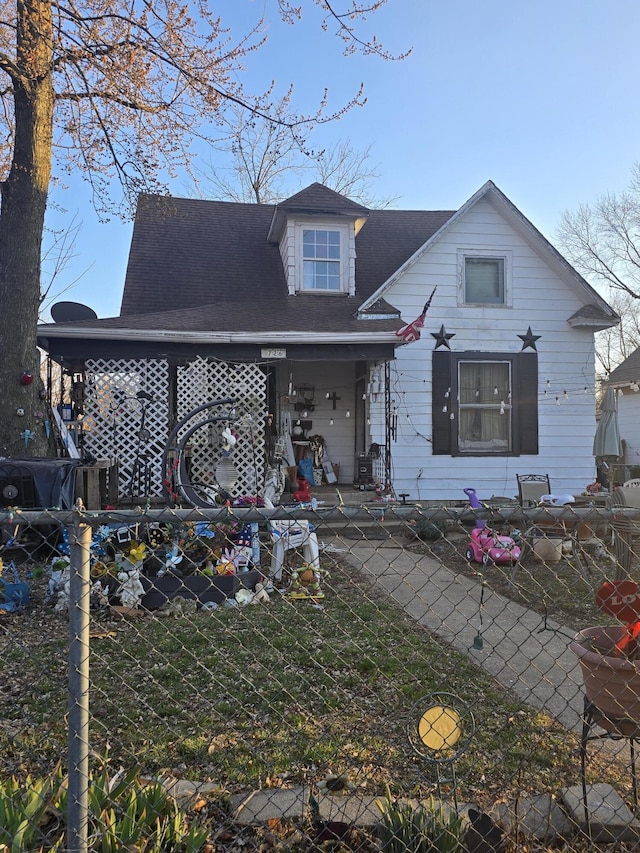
pixel 526 654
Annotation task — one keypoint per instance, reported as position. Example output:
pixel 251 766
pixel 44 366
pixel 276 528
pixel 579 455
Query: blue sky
pixel 540 97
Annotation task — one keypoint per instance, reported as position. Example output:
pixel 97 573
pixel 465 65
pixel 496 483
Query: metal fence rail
pixel 323 657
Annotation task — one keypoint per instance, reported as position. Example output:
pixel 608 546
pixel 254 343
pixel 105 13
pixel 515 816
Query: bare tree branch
pixel 118 91
pixel 602 240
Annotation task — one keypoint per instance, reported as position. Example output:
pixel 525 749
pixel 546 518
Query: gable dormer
pixel 316 231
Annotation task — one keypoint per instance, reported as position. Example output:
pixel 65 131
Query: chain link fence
pixel 299 678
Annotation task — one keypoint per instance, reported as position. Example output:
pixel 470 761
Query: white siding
pixel 565 363
pixel 288 255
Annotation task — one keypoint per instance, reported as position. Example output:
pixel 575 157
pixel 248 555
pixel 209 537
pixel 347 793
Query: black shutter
pixel 527 400
pixel 440 421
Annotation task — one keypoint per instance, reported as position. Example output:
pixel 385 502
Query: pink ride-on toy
pixel 485 545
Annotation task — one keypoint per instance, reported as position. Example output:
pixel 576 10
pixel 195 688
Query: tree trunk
pixel 24 201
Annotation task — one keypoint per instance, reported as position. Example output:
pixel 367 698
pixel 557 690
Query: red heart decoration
pixel 620 599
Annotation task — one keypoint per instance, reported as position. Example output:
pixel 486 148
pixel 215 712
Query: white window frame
pixel 505 255
pixel 316 225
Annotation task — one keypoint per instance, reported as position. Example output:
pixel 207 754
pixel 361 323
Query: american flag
pixel 411 332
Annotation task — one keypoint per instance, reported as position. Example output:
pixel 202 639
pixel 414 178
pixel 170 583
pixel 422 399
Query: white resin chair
pixel 292 535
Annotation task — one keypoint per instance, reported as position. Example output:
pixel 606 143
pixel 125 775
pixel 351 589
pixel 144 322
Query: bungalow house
pixel 304 313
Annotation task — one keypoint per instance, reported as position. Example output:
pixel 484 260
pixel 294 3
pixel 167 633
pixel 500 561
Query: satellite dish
pixel 63 312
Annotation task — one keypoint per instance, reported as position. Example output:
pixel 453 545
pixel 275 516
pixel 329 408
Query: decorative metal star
pixel 529 340
pixel 442 338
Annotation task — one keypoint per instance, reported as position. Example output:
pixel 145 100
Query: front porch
pixel 116 415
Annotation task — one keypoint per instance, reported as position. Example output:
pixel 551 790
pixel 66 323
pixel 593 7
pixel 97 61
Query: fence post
pixel 78 740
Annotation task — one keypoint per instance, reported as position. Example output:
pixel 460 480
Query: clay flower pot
pixel 611 677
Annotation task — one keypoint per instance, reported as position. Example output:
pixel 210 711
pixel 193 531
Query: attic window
pixel 322 259
pixel 484 278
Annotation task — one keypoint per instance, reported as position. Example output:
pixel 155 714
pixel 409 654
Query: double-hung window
pixel 484 421
pixel 321 259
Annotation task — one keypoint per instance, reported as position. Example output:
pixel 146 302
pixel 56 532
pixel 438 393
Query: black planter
pixel 159 590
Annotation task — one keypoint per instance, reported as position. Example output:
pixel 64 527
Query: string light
pixel 347 414
pixel 447 392
pixel 331 422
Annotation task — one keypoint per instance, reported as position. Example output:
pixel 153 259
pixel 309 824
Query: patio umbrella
pixel 606 442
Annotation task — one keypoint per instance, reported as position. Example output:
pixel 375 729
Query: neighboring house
pixel 294 308
pixel 626 380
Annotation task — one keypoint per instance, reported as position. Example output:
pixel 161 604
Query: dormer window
pixel 316 231
pixel 320 259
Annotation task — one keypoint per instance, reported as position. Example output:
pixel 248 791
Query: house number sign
pixel 273 353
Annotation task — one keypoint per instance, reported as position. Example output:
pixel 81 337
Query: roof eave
pixel 186 337
pixel 593 324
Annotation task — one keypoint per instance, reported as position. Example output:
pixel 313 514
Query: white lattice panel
pixel 123 426
pixel 203 381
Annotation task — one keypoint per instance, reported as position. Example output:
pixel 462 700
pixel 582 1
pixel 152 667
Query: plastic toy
pixel 303 494
pixel 485 545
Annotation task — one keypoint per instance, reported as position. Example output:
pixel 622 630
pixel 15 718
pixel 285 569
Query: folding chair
pixel 532 487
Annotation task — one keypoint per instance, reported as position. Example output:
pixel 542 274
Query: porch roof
pixel 297 317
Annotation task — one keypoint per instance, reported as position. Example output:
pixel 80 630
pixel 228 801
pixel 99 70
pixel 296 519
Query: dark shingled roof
pixel 206 265
pixel 627 372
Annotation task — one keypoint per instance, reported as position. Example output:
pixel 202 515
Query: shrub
pixel 405 828
pixel 429 530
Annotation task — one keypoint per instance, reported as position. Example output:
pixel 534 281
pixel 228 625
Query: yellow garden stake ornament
pixel 440 727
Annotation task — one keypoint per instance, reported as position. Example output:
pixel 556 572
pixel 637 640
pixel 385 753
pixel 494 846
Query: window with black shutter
pixel 485 403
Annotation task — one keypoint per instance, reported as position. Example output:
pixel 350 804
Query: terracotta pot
pixel 611 680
